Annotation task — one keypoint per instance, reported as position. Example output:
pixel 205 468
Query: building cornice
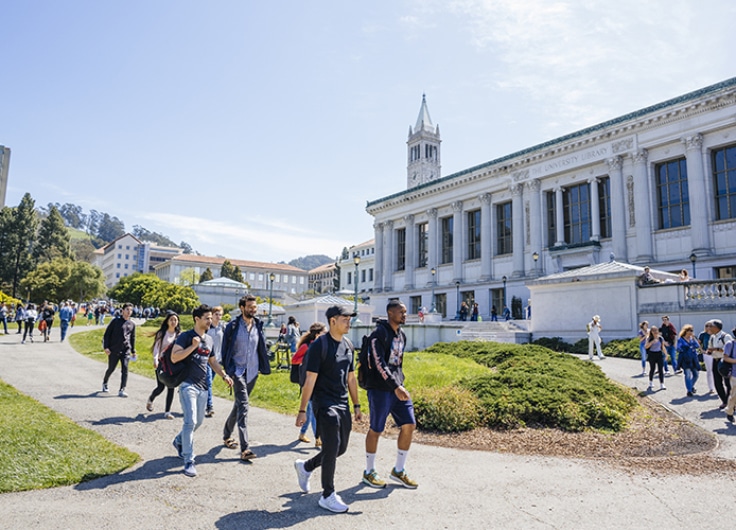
pixel 618 131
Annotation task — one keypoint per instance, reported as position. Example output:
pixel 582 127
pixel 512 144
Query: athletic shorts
pixel 382 403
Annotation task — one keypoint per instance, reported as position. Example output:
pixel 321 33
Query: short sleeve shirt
pixel 331 387
pixel 197 361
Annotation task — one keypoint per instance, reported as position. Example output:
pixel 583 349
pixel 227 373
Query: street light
pixel 504 291
pixel 535 257
pixel 270 324
pixel 434 308
pixel 457 297
pixel 693 259
pixel 356 320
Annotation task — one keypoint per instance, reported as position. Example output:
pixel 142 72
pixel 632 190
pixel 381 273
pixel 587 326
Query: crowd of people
pixel 237 352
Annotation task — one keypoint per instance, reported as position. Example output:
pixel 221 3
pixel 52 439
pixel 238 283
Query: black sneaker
pixel 729 417
pixel 177 446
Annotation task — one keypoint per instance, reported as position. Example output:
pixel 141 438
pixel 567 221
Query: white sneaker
pixel 662 387
pixel 122 393
pixel 302 476
pixel 333 503
pixel 650 387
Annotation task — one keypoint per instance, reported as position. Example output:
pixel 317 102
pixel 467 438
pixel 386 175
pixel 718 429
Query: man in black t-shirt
pixel 330 377
pixel 194 347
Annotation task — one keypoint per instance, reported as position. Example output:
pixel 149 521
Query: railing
pixel 710 292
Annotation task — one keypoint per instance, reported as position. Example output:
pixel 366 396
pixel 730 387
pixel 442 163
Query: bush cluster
pixel 449 409
pixel 530 385
pixel 627 348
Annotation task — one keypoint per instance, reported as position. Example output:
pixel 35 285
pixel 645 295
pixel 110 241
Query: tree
pixel 175 297
pixel 206 276
pixel 53 238
pixel 227 270
pixel 86 282
pixel 133 288
pixel 93 222
pixel 19 229
pixel 237 275
pixel 83 249
pixel 73 215
pixel 110 228
pixel 188 276
pixel 187 247
pixel 64 279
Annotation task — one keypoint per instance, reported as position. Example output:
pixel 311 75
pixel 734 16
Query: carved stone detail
pixel 693 142
pixel 485 198
pixel 615 163
pixel 432 213
pixel 516 189
pixel 534 185
pixel 622 145
pixel 641 156
pixel 521 175
pixel 630 200
pixel 457 206
pixel 527 222
pixel 409 219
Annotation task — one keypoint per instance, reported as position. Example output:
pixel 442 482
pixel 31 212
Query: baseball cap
pixel 338 311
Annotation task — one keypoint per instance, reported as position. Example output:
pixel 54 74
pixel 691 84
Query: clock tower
pixel 423 150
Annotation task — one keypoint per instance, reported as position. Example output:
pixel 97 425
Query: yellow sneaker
pixel 373 480
pixel 402 478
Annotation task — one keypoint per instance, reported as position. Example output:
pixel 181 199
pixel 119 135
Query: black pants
pixel 334 425
pixel 29 330
pixel 722 384
pixel 112 361
pixel 157 392
pixel 655 361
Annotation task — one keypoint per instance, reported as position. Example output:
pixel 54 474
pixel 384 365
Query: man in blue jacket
pixel 244 355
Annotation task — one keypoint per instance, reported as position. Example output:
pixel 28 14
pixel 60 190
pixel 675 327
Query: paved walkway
pixel 458 489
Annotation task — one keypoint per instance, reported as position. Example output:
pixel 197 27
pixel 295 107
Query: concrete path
pixel 458 489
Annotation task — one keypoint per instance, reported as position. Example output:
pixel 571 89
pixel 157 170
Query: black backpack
pixel 169 373
pixel 365 367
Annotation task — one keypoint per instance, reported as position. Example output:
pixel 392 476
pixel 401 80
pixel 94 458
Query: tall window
pixel 551 201
pixel 672 194
pixel 415 304
pixel 604 205
pixel 504 233
pixel 422 245
pixel 724 174
pixel 447 227
pixel 473 234
pixel 400 249
pixel 576 206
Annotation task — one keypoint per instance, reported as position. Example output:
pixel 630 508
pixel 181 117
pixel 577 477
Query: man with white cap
pixel 594 337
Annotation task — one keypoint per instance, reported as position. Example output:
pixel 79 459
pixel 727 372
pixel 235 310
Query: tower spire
pixel 423 157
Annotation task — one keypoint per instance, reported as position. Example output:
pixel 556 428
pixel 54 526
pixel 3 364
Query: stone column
pixel 535 220
pixel 458 233
pixel 699 233
pixel 378 265
pixel 389 261
pixel 486 241
pixel 595 211
pixel 642 208
pixel 432 239
pixel 517 207
pixel 559 218
pixel 618 209
pixel 409 252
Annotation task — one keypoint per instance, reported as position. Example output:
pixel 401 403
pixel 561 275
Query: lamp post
pixel 434 307
pixel 356 320
pixel 504 291
pixel 693 259
pixel 271 278
pixel 457 297
pixel 535 257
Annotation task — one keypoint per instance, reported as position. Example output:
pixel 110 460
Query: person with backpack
pixel 382 376
pixel 244 356
pixel 292 333
pixel 298 370
pixel 716 346
pixel 164 339
pixel 195 348
pixel 119 344
pixel 329 379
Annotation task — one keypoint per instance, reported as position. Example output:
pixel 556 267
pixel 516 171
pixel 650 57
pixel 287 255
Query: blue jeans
pixel 64 324
pixel 311 420
pixel 691 377
pixel 210 378
pixel 643 352
pixel 193 402
pixel 673 355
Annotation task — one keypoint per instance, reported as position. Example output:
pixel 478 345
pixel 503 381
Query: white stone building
pixel 656 186
pixel 128 254
pixel 358 267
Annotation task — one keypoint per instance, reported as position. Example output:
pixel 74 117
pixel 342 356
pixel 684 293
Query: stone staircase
pixel 503 331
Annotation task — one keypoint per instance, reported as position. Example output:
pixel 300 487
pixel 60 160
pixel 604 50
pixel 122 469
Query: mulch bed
pixel 655 440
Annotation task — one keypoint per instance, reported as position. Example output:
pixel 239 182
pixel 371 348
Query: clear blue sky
pixel 258 130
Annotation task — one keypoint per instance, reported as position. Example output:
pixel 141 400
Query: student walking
pixel 30 317
pixel 716 345
pixel 316 330
pixel 216 331
pixel 655 352
pixel 47 317
pixel 194 347
pixel 330 377
pixel 687 357
pixel 119 345
pixel 387 395
pixel 66 313
pixel 164 338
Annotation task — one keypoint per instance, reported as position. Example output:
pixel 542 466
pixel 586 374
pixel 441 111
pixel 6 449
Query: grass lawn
pixel 42 449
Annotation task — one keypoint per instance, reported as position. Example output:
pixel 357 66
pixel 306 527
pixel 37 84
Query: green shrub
pixel 532 385
pixel 554 344
pixel 627 348
pixel 448 409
